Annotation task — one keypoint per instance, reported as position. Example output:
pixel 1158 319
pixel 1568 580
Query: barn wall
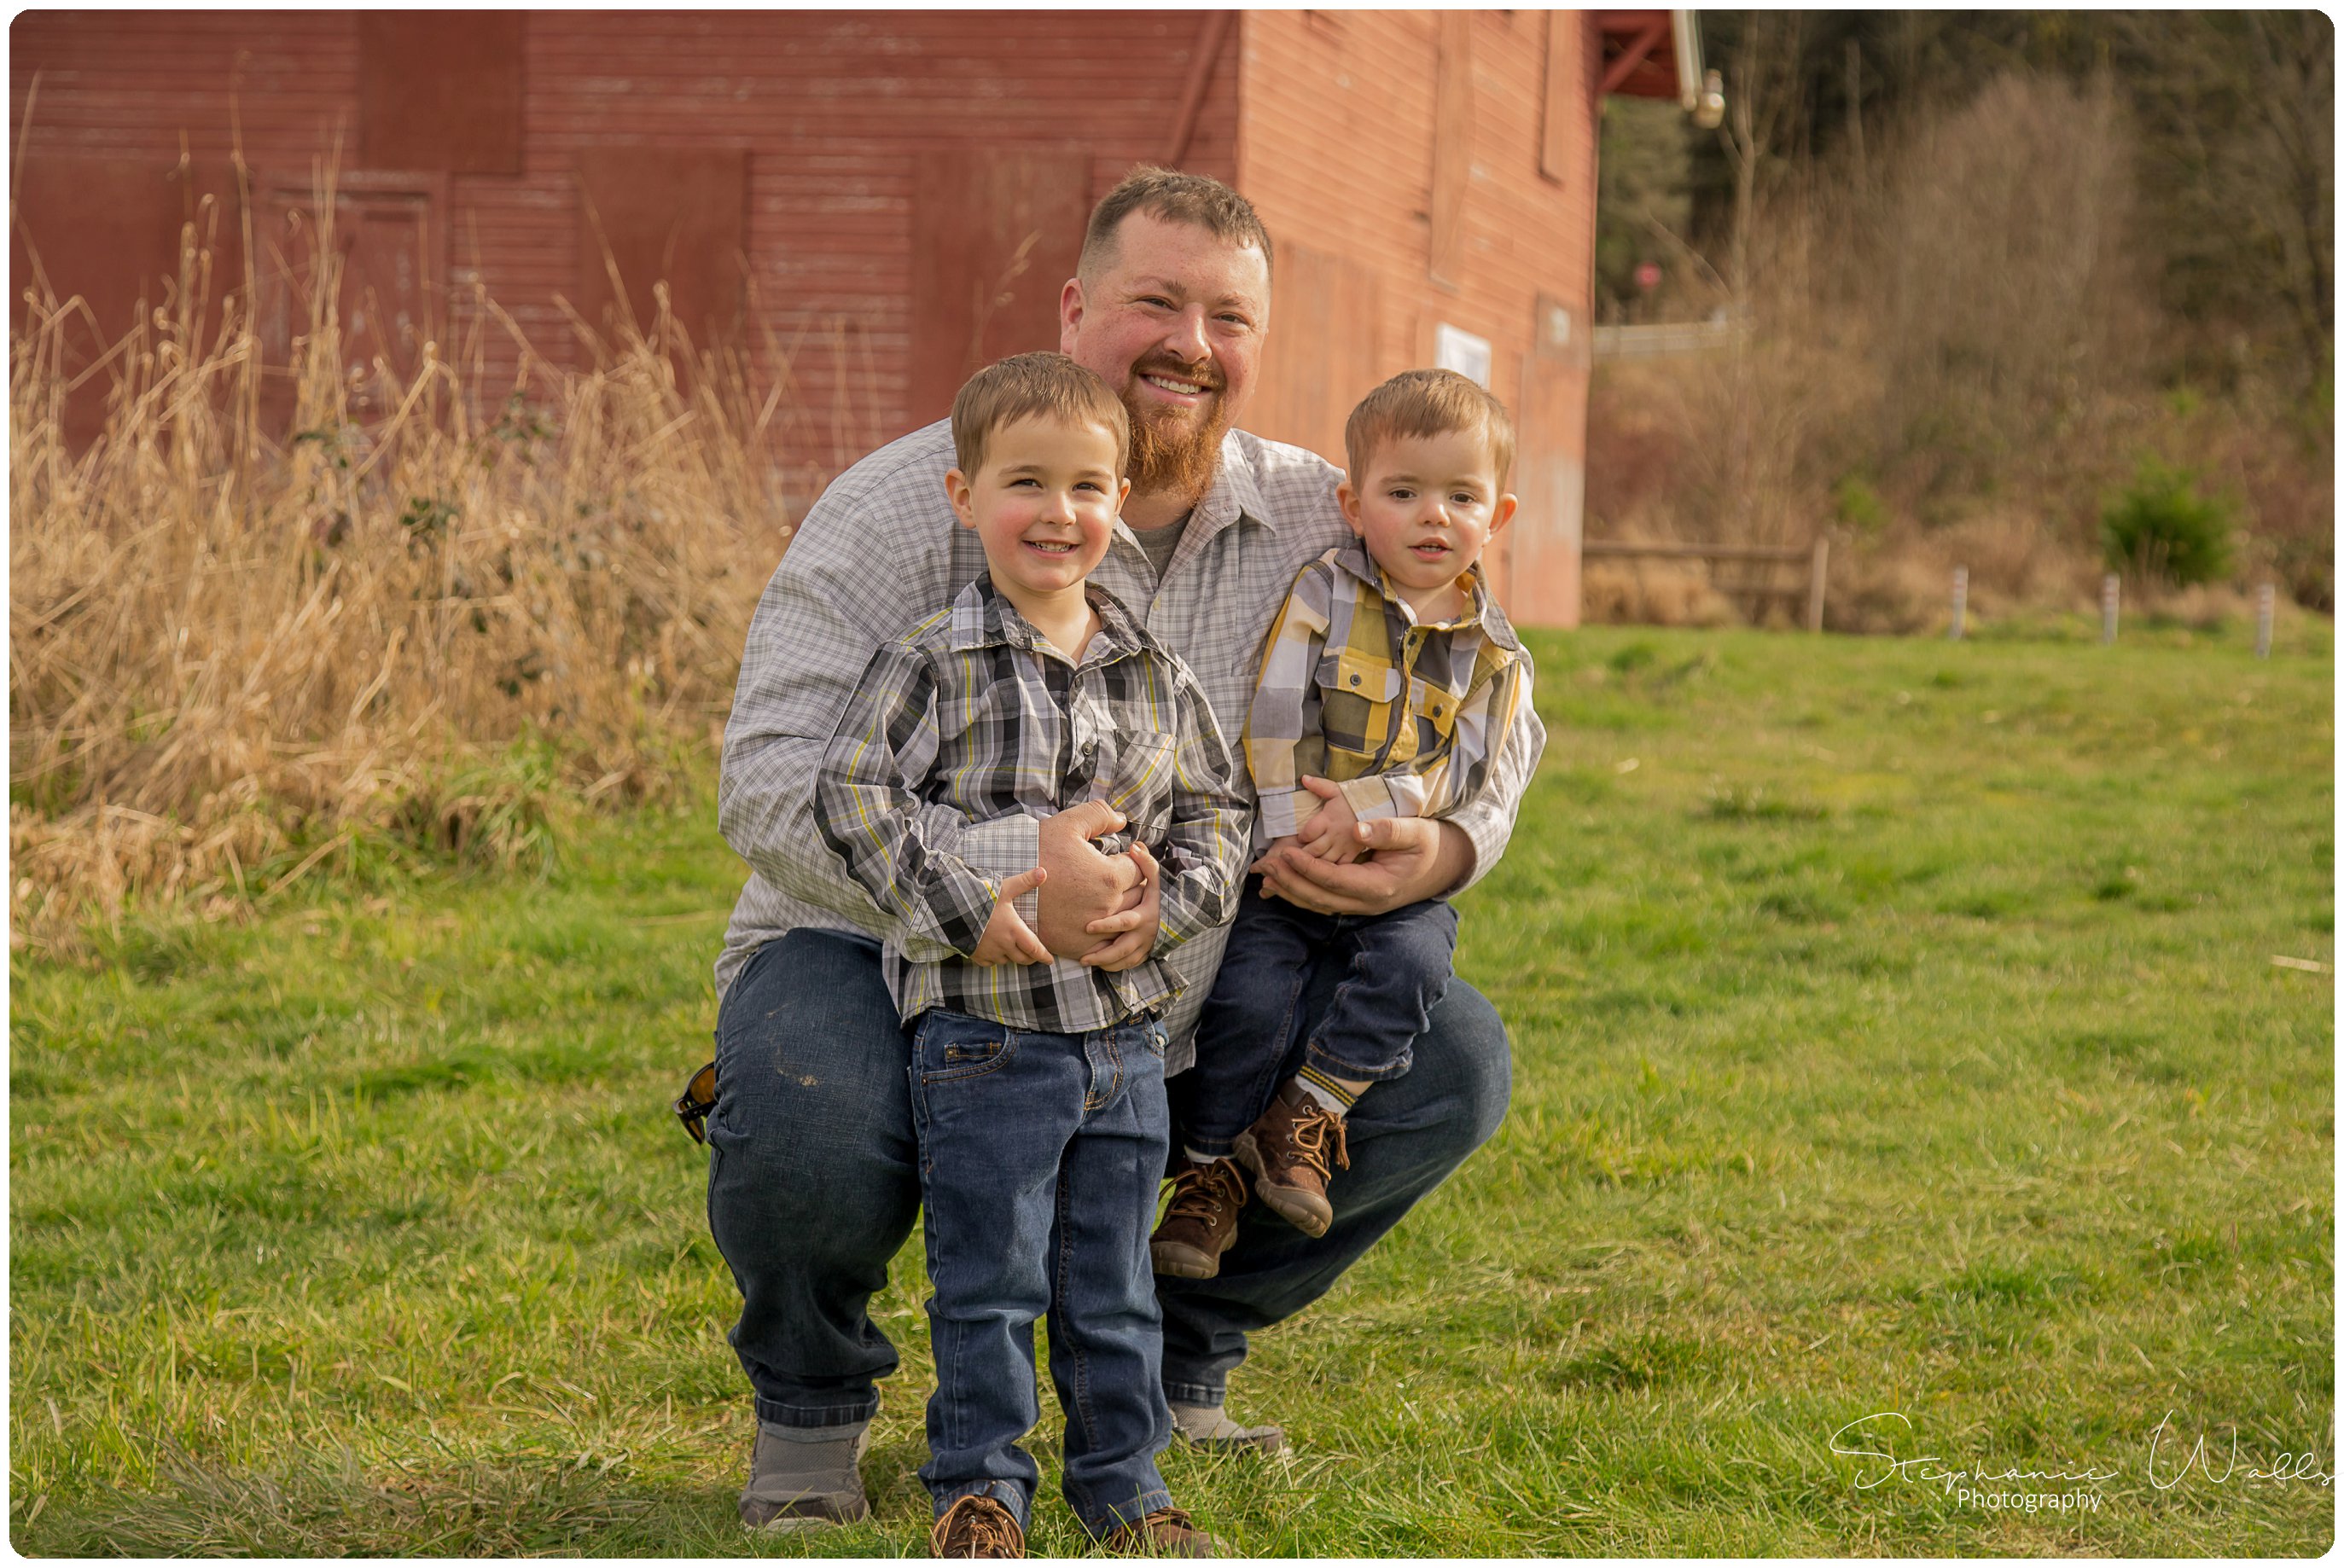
pixel 848 122
pixel 1341 153
pixel 835 112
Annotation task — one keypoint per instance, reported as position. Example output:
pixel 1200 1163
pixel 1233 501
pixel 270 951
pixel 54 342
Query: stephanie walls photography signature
pixel 2168 1458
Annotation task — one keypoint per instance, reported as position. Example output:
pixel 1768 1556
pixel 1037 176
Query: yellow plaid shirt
pixel 1353 688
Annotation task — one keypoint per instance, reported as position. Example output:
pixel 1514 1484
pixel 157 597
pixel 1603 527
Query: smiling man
pixel 813 1185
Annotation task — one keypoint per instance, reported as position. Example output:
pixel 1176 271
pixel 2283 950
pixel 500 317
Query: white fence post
pixel 2263 603
pixel 1961 599
pixel 2109 589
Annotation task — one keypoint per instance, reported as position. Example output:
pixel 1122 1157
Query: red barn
pixel 881 199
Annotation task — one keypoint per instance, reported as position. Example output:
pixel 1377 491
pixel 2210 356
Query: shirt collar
pixel 983 617
pixel 1234 494
pixel 1236 491
pixel 1351 556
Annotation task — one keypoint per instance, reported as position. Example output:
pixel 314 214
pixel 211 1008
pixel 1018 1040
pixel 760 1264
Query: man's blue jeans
pixel 1390 971
pixel 813 1179
pixel 1039 1158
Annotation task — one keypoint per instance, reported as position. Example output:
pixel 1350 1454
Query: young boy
pixel 1388 683
pixel 1037 1083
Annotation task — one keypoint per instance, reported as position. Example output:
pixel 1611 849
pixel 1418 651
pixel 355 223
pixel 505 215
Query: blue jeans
pixel 1039 1157
pixel 1390 970
pixel 813 1178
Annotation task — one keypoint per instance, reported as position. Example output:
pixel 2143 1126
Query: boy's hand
pixel 1132 948
pixel 1008 940
pixel 1330 834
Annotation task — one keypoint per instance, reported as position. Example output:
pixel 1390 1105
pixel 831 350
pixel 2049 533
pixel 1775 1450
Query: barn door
pixel 388 234
pixel 994 237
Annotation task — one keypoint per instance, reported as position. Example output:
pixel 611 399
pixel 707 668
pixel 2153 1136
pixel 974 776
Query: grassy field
pixel 1897 1030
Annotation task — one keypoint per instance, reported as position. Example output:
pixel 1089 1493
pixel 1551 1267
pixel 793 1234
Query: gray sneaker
pixel 804 1478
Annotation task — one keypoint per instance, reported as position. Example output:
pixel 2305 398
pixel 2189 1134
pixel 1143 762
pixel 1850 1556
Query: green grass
pixel 1896 1030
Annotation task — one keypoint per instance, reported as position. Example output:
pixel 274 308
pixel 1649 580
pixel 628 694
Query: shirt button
pixel 1355 681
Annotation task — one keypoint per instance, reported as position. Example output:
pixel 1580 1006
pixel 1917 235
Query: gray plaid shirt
pixel 881 550
pixel 973 709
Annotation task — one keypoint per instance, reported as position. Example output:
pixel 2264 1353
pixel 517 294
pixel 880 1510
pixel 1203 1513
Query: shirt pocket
pixel 1356 695
pixel 1436 707
pixel 1136 780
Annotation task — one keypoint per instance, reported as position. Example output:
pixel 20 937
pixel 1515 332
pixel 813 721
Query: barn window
pixel 1452 147
pixel 677 216
pixel 1554 119
pixel 440 90
pixel 996 234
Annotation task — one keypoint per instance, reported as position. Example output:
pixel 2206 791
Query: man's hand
pixel 1137 926
pixel 1085 886
pixel 1412 858
pixel 1006 939
pixel 1328 834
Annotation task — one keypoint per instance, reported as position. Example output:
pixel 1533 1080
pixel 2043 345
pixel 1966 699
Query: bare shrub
pixel 1880 589
pixel 1663 593
pixel 1997 273
pixel 231 656
pixel 1947 362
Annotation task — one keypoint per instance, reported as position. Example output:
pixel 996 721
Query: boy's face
pixel 1044 501
pixel 1426 505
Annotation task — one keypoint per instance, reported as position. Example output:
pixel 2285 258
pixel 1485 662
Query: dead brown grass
pixel 1948 363
pixel 234 653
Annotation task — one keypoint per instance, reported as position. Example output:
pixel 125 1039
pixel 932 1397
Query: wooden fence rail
pixel 1817 556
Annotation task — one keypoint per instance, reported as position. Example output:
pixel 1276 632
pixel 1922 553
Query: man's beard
pixel 1181 458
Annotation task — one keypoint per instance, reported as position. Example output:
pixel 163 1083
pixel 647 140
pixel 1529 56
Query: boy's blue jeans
pixel 813 1178
pixel 1039 1159
pixel 1255 1034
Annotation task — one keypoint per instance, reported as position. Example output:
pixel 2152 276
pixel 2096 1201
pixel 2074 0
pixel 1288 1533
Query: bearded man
pixel 812 1187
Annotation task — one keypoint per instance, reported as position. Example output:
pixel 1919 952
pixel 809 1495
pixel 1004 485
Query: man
pixel 811 1180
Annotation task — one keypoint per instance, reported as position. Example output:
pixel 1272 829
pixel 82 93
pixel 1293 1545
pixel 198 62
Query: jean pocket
pixel 957 1048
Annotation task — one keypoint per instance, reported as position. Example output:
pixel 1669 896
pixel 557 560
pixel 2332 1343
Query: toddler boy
pixel 1386 686
pixel 1037 1083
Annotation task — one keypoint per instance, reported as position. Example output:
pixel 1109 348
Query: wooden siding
pixel 1336 135
pixel 1327 120
pixel 832 109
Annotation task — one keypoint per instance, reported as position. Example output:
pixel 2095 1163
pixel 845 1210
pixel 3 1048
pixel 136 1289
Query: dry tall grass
pixel 1952 361
pixel 234 654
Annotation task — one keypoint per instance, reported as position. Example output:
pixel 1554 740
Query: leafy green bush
pixel 2162 528
pixel 1859 506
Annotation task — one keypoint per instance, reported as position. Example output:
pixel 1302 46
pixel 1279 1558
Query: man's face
pixel 1175 325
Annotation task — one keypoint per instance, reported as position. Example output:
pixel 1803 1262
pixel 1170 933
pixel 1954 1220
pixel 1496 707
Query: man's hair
pixel 1176 197
pixel 1023 385
pixel 1427 403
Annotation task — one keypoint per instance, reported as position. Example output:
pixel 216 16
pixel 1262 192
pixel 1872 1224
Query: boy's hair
pixel 1176 197
pixel 1025 384
pixel 1427 403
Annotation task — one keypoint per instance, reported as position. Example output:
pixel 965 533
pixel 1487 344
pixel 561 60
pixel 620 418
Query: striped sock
pixel 1329 1093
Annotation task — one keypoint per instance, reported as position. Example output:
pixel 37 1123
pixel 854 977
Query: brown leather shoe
pixel 976 1526
pixel 1291 1150
pixel 1167 1532
pixel 1202 1221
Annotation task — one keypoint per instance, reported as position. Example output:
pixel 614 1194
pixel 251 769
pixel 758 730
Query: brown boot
pixel 1292 1150
pixel 1167 1532
pixel 976 1526
pixel 1202 1221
